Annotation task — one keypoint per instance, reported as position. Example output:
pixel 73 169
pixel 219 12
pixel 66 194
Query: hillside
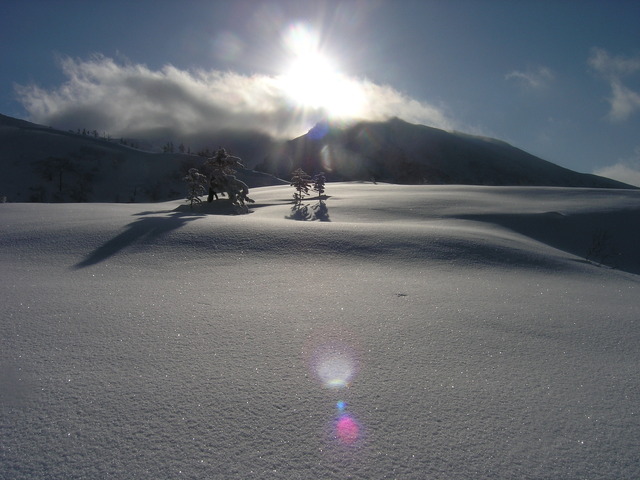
pixel 399 152
pixel 43 164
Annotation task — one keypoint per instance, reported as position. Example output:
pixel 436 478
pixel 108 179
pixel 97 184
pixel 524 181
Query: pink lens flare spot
pixel 347 430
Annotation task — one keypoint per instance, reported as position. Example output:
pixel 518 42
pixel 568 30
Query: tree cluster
pixel 170 148
pixel 302 182
pixel 218 177
pixel 71 179
pixel 86 132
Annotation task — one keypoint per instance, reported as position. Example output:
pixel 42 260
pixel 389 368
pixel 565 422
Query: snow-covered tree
pixel 301 181
pixel 238 191
pixel 218 168
pixel 220 179
pixel 196 186
pixel 318 184
pixel 223 162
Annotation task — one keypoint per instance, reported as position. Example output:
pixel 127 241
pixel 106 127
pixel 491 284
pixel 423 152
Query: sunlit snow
pixel 440 332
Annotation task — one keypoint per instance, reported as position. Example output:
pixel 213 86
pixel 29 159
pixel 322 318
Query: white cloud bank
pixel 623 101
pixel 134 100
pixel 532 78
pixel 627 171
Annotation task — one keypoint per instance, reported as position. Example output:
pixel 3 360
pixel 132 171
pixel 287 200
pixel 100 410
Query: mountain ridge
pixel 44 164
pixel 396 151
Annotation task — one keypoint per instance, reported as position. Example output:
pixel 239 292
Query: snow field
pixel 147 341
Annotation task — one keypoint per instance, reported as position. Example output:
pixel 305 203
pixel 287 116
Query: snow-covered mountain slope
pixel 47 165
pixel 399 152
pixel 408 332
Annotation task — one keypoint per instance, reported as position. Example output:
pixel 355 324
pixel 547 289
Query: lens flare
pixel 334 364
pixel 331 355
pixel 326 158
pixel 347 430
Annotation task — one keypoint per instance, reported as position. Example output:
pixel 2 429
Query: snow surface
pixel 422 332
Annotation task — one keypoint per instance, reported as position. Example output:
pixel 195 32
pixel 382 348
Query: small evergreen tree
pixel 217 168
pixel 318 184
pixel 168 148
pixel 196 186
pixel 223 162
pixel 219 178
pixel 301 181
pixel 238 191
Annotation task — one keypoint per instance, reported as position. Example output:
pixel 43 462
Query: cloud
pixel 622 173
pixel 615 66
pixel 627 171
pixel 623 101
pixel 131 99
pixel 532 78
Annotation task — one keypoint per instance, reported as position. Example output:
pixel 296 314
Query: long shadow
pixel 301 212
pixel 321 212
pixel 579 233
pixel 147 227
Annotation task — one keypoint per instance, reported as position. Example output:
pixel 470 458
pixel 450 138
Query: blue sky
pixel 560 79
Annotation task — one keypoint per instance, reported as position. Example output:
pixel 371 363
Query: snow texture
pixel 419 332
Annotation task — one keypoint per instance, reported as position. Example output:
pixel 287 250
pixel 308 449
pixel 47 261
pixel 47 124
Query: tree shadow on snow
pixel 222 206
pixel 148 227
pixel 302 212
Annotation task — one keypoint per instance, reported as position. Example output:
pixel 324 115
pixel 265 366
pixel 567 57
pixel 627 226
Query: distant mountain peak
pixel 397 151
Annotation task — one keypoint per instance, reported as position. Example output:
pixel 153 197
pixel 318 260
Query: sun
pixel 312 81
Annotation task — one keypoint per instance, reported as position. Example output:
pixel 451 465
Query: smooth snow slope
pixel 409 332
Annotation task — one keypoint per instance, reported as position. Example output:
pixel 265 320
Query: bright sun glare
pixel 312 80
